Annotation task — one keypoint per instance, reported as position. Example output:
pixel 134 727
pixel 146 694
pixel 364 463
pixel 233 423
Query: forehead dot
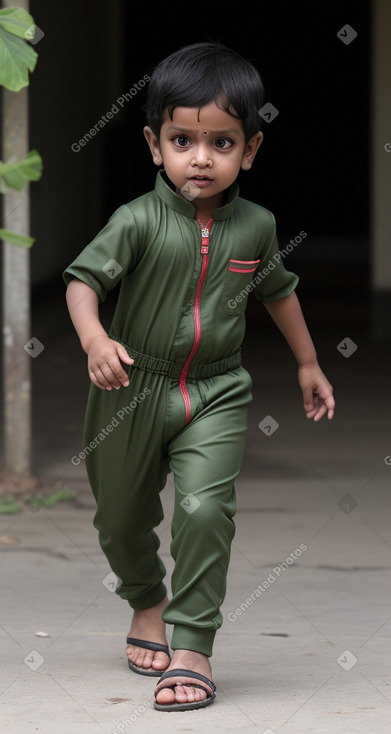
pixel 205 132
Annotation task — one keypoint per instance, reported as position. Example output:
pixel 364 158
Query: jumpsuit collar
pixel 173 200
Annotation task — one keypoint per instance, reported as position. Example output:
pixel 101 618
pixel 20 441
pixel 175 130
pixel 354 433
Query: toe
pixel 194 694
pixel 147 658
pixel 189 693
pixel 179 695
pixel 160 661
pixel 165 696
pixel 182 694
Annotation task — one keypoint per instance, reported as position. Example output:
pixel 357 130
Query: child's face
pixel 202 150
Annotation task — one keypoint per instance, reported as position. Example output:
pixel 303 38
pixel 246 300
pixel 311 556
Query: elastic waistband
pixel 148 363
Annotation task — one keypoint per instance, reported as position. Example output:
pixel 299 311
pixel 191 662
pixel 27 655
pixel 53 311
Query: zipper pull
pixel 205 240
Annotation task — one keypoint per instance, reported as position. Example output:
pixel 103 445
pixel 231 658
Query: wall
pixel 77 78
pixel 381 172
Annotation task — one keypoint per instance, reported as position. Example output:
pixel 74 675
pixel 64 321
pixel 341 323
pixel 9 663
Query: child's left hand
pixel 317 392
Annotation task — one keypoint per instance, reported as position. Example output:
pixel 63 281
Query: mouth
pixel 201 181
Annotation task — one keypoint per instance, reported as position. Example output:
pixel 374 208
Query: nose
pixel 201 157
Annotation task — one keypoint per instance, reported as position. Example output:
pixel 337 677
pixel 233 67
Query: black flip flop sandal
pixel 190 704
pixel 148 646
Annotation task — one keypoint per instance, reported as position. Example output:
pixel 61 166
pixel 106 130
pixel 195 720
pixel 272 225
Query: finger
pixel 314 407
pixel 308 398
pixel 330 404
pixel 320 413
pixel 110 377
pixel 96 382
pixel 123 355
pixel 311 413
pixel 104 375
pixel 118 375
pixel 327 403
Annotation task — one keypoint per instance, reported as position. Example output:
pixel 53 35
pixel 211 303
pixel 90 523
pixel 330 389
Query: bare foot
pixel 184 692
pixel 147 624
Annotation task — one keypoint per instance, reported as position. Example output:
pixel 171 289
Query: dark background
pixel 312 169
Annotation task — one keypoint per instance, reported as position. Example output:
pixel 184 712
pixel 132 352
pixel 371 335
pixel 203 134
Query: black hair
pixel 201 73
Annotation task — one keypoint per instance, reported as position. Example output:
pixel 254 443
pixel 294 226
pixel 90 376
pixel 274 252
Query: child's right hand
pixel 104 366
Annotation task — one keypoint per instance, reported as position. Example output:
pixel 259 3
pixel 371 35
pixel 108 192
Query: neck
pixel 205 209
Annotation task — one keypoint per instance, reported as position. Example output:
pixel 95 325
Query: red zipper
pixel 205 234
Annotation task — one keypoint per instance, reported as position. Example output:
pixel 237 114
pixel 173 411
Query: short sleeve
pixel 272 281
pixel 111 254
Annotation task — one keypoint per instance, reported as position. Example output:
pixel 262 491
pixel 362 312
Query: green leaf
pixel 18 21
pixel 9 508
pixel 15 175
pixel 16 239
pixel 61 495
pixel 17 58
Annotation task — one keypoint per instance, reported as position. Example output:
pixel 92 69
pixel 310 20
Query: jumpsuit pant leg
pixel 127 467
pixel 205 458
pixel 127 470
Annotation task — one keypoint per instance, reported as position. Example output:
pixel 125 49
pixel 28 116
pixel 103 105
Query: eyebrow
pixel 230 131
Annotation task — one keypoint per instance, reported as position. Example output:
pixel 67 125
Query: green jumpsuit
pixel 180 316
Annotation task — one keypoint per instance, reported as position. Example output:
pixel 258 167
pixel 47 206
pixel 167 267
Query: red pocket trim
pixel 246 262
pixel 243 262
pixel 241 270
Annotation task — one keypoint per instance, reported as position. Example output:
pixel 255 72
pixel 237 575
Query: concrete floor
pixel 310 654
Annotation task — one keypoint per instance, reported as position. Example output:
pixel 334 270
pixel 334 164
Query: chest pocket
pixel 238 285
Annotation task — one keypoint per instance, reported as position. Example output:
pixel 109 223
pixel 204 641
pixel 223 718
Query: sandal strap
pixel 176 672
pixel 147 645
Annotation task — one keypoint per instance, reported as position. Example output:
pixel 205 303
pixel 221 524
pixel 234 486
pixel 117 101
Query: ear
pixel 153 146
pixel 250 151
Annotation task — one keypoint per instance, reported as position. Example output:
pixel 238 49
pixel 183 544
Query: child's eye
pixel 223 143
pixel 181 140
